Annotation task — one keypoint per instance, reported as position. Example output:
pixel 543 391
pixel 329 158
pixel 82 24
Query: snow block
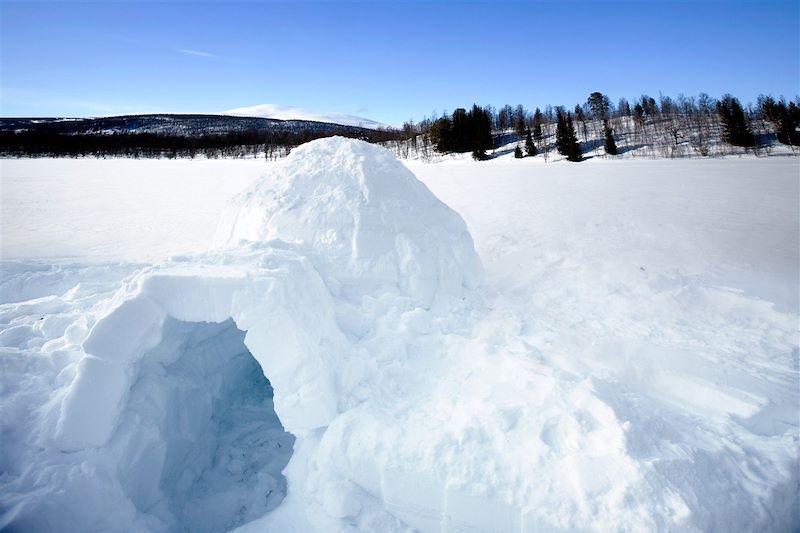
pixel 90 409
pixel 126 331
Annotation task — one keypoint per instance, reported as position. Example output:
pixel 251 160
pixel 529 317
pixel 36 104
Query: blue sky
pixel 384 60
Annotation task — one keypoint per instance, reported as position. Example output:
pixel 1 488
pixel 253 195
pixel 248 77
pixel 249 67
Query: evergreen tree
pixel 466 131
pixel 440 134
pixel 461 131
pixel 519 120
pixel 480 123
pixel 566 141
pixel 518 152
pixel 623 108
pixel 788 133
pixel 610 145
pixel 785 119
pixel 599 104
pixel 530 148
pixel 735 129
pixel 649 105
pixel 537 126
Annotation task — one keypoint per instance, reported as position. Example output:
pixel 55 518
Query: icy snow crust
pixel 406 395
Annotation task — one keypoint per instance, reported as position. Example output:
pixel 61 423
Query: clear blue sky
pixel 384 60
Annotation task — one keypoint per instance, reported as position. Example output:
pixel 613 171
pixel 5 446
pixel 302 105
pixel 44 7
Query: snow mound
pixel 362 217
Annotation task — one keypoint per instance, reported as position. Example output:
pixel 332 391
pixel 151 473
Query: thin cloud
pixel 196 53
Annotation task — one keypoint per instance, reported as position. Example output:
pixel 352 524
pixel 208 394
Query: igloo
pixel 363 219
pixel 212 369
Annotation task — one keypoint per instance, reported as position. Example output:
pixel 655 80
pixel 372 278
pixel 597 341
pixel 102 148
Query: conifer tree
pixel 530 148
pixel 518 152
pixel 519 120
pixel 735 129
pixel 610 145
pixel 537 126
pixel 599 104
pixel 480 123
pixel 785 119
pixel 466 131
pixel 566 141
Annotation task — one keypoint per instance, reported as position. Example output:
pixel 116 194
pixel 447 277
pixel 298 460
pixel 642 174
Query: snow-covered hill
pixel 627 363
pixel 288 112
pixel 188 125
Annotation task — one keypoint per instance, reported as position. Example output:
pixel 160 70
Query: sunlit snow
pixel 609 346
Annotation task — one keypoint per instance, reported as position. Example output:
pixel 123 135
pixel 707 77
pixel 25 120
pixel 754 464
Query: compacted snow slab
pixel 405 395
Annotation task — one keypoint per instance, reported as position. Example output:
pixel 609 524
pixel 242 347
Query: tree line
pixel 52 141
pixel 681 126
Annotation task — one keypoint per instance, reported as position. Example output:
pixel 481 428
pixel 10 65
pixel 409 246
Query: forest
pixel 644 127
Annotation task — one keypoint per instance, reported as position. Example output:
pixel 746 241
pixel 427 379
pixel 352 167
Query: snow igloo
pixel 207 373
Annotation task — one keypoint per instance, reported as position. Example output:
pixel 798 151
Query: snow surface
pixel 630 361
pixel 115 209
pixel 289 112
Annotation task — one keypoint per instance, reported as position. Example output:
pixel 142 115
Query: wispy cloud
pixel 196 52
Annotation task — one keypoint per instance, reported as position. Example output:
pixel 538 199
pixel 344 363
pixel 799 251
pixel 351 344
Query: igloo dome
pixel 362 217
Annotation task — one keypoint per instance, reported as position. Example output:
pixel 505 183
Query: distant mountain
pixel 167 135
pixel 288 112
pixel 189 125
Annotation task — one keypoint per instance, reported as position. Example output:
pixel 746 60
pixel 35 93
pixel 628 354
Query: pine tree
pixel 461 130
pixel 566 141
pixel 519 120
pixel 735 129
pixel 599 104
pixel 480 123
pixel 623 108
pixel 530 148
pixel 610 145
pixel 440 134
pixel 518 152
pixel 466 131
pixel 537 126
pixel 785 119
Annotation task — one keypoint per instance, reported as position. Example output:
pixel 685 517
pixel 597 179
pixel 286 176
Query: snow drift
pixel 335 365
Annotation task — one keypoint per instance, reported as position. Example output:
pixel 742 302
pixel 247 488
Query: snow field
pixel 629 363
pixel 115 210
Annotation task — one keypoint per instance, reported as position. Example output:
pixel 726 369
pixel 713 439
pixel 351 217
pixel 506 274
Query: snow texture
pixel 339 362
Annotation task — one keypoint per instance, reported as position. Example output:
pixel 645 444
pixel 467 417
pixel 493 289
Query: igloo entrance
pixel 201 445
